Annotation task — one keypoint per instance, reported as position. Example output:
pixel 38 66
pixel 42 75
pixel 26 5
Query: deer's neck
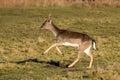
pixel 55 30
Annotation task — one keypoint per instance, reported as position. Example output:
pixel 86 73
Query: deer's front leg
pixel 54 45
pixel 59 50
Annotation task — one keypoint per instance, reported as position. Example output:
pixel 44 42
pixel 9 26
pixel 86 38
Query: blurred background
pixel 86 3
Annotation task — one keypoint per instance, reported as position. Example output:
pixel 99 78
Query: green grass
pixel 22 44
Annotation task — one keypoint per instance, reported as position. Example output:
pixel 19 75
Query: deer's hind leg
pixel 78 57
pixel 88 52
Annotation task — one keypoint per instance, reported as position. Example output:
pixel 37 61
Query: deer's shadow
pixel 50 63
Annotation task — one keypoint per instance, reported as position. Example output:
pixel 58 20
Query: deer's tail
pixel 94 44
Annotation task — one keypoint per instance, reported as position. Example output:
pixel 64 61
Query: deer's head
pixel 46 24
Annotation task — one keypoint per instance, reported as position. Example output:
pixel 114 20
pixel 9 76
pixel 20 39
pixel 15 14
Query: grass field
pixel 22 44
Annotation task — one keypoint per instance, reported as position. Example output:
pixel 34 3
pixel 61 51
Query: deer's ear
pixel 50 21
pixel 49 16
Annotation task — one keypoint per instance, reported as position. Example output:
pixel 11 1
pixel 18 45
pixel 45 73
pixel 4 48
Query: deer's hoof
pixel 70 66
pixel 62 54
pixel 89 67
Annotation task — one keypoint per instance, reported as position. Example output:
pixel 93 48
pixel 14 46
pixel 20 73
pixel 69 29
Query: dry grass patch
pixel 2 50
pixel 9 65
pixel 41 40
pixel 13 50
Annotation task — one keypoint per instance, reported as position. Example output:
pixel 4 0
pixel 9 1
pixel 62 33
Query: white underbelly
pixel 70 44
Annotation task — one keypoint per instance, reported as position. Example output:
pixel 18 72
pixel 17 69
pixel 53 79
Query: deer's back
pixel 72 37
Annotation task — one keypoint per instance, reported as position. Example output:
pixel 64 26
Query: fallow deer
pixel 70 38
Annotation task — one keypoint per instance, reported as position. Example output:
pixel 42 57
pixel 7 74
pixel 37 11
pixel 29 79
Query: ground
pixel 22 44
